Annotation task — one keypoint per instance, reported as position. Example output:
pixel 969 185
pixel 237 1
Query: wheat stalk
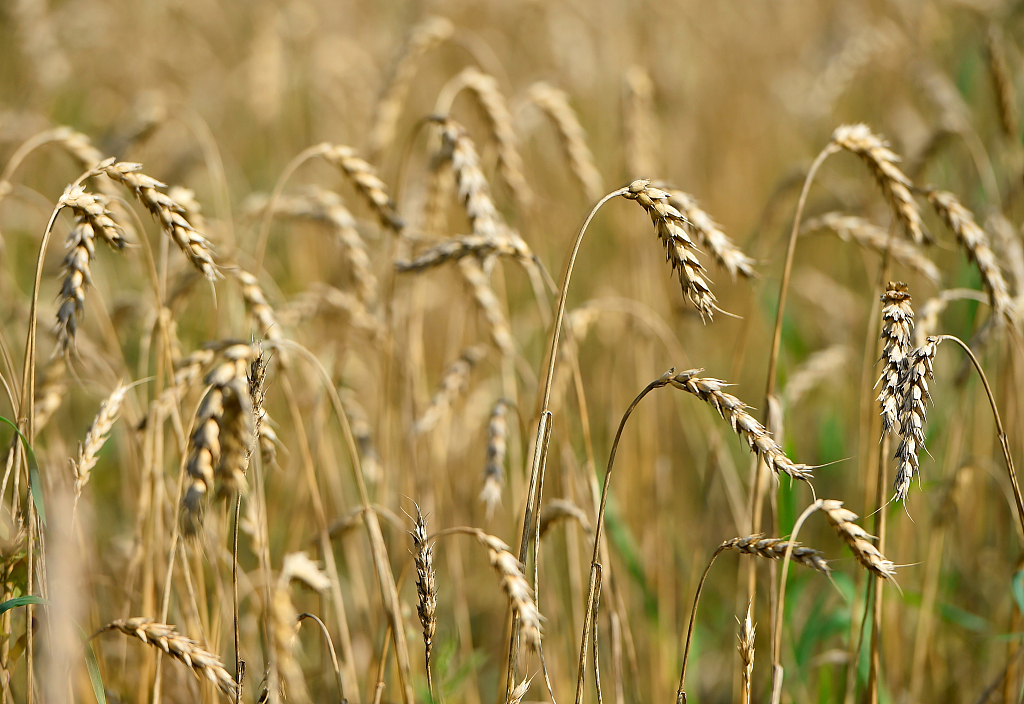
pixel 181 648
pixel 364 177
pixel 682 253
pixel 554 103
pixel 295 566
pixel 870 236
pixel 882 161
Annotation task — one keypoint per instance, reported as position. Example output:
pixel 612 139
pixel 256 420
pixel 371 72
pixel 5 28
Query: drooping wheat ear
pixel 298 566
pixel 219 444
pixel 321 299
pixel 474 274
pixel 775 549
pixel 426 35
pixel 927 319
pixel 558 510
pixel 497 446
pixel 363 433
pixel 894 183
pixel 92 219
pixel 975 242
pixel 1002 82
pixel 453 383
pixel 897 326
pixel 554 103
pixel 520 691
pixel 639 122
pixel 169 213
pixel 857 538
pixel 682 253
pixel 510 163
pixel 181 648
pixel 257 305
pixel 725 252
pixel 364 177
pixel 96 436
pixel 193 209
pixel 913 414
pixel 456 248
pixel 1010 250
pixel 735 411
pixel 51 388
pixel 745 647
pixel 870 236
pixel 426 588
pixel 822 366
pixel 515 586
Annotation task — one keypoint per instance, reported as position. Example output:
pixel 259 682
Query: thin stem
pixel 680 694
pixel 777 671
pixel 598 530
pixel 268 215
pixel 239 665
pixel 330 647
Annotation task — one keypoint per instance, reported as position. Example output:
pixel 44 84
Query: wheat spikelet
pixel 894 183
pixel 453 383
pixel 257 305
pixel 775 549
pixel 91 209
pixel 169 213
pixel 745 647
pixel 639 122
pixel 425 36
pixel 96 436
pixel 897 325
pixel 497 446
pixel 510 163
pixel 364 177
pixel 557 510
pixel 974 240
pixel 1002 83
pixel 183 649
pixel 426 588
pixel 913 414
pixel 515 586
pixel 857 538
pixel 725 252
pixel 682 254
pixel 193 209
pixel 554 103
pixel 735 411
pixel 219 444
pixel 864 233
pixel 51 388
pixel 519 691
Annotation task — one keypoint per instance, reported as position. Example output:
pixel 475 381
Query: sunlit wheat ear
pixel 745 647
pixel 897 326
pixel 974 240
pixel 193 209
pixel 497 324
pixel 682 253
pixel 321 299
pixel 857 539
pixel 497 446
pixel 554 103
pixel 365 180
pixel 913 414
pixel 181 648
pixel 491 99
pixel 894 183
pixel 426 588
pixel 257 305
pixel 170 214
pixel 426 35
pixel 732 409
pixel 520 691
pixel 639 121
pixel 725 252
pixel 96 437
pixel 219 445
pixel 1002 82
pixel 263 432
pixel 775 549
pixel 557 510
pixel 92 220
pixel 453 383
pixel 515 586
pixel 296 566
pixel 851 228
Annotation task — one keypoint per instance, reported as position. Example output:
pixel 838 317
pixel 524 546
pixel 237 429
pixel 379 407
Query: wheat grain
pixel 735 411
pixel 257 305
pixel 456 248
pixel 725 252
pixel 682 254
pixel 554 103
pixel 894 183
pixel 897 326
pixel 974 240
pixel 181 648
pixel 857 538
pixel 321 299
pixel 870 236
pixel 775 549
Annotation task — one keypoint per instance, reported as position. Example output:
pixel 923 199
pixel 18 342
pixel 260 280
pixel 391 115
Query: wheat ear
pixel 745 647
pixel 426 588
pixel 1002 82
pixel 722 249
pixel 897 325
pixel 913 413
pixel 95 438
pixel 858 539
pixel 364 177
pixel 554 103
pixel 497 446
pixel 453 383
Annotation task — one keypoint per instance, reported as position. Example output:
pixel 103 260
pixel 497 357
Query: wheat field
pixel 337 364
